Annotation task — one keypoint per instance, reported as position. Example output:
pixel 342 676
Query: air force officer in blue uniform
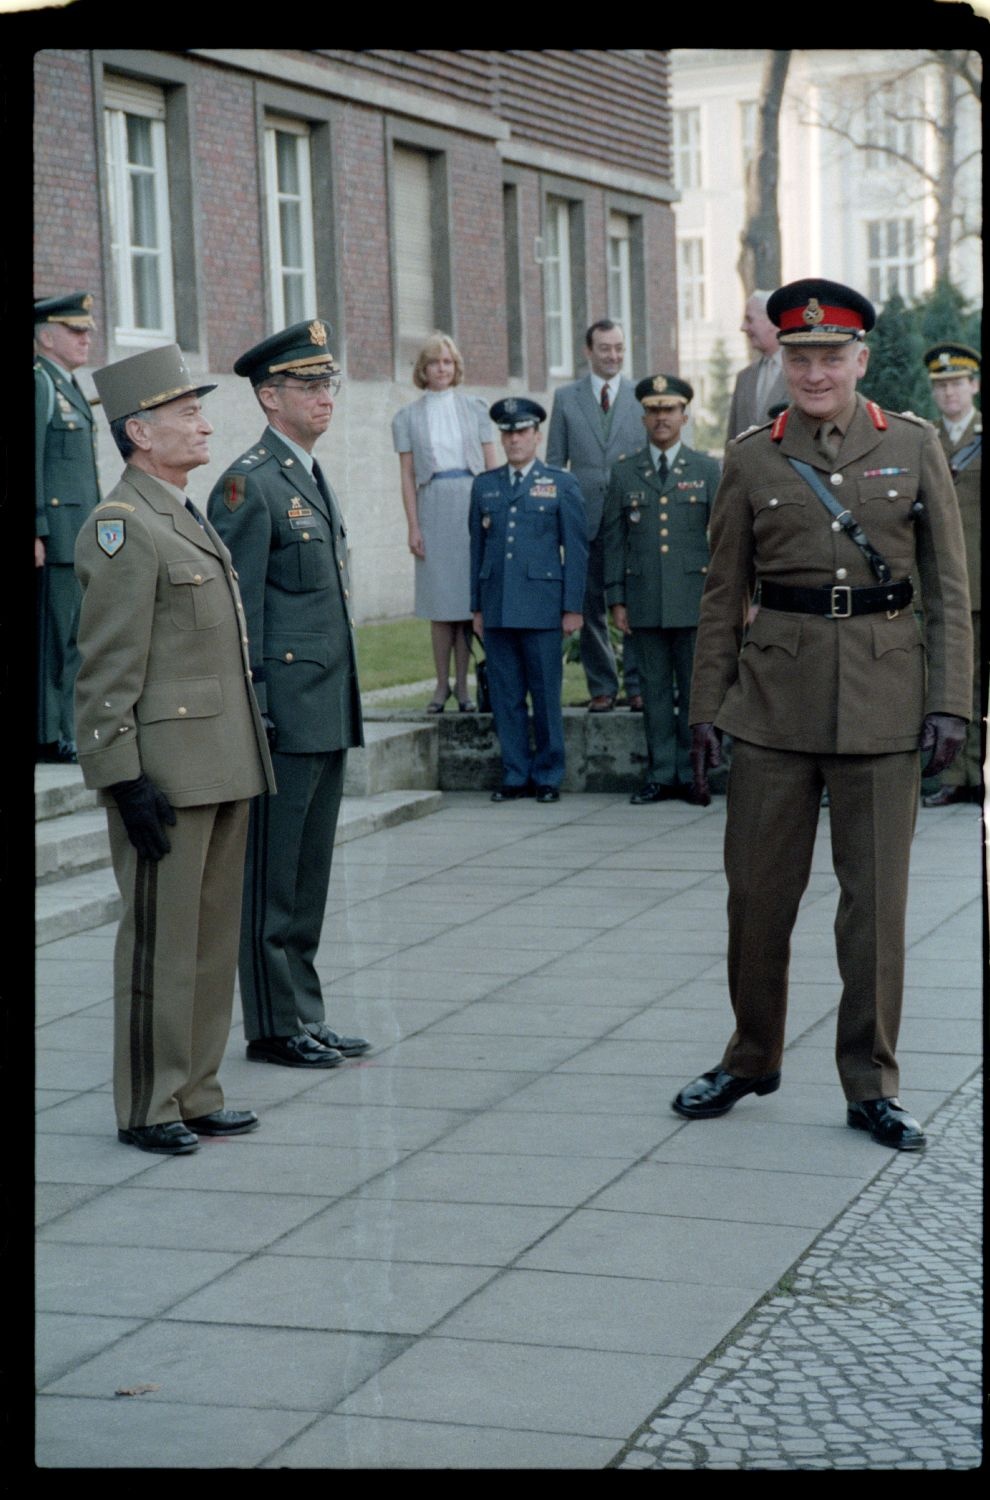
pixel 529 558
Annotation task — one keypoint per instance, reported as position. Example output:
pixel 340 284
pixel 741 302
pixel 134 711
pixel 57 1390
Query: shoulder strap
pixel 50 387
pixel 964 456
pixel 845 518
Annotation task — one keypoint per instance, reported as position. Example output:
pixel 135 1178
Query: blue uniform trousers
pixel 521 662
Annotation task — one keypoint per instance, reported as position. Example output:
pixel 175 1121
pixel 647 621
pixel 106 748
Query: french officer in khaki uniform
pixel 281 520
pixel 954 371
pixel 655 530
pixel 825 514
pixel 171 736
pixel 66 488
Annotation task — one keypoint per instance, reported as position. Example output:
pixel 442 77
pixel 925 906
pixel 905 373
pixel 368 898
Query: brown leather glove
pixel 943 735
pixel 706 753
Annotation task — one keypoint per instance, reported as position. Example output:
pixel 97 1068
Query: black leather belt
pixel 838 602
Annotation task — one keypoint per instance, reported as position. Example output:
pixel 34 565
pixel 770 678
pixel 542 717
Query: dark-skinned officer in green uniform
pixel 281 520
pixel 655 533
pixel 66 488
pixel 954 371
pixel 822 517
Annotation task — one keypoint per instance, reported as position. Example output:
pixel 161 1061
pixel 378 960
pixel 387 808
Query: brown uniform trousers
pixel 967 768
pixel 813 702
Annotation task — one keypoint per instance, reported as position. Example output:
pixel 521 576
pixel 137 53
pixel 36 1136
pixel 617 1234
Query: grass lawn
pixel 391 652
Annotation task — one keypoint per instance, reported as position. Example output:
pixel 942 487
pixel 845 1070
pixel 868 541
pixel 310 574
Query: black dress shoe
pixel 888 1123
pixel 653 791
pixel 511 793
pixel 173 1138
pixel 224 1122
pixel 547 794
pixel 302 1051
pixel 347 1046
pixel 945 796
pixel 716 1092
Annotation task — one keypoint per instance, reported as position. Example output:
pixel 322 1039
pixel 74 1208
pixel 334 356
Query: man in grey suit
pixel 762 383
pixel 594 421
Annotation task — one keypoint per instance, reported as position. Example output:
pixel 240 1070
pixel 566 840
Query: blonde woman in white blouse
pixel 443 440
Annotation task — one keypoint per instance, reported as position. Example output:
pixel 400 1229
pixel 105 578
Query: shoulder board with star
pixel 760 427
pixel 909 416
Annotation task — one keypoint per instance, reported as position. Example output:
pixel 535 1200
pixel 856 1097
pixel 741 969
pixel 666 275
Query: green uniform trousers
pixel 174 964
pixel 58 600
pixel 290 850
pixel 666 657
pixel 773 813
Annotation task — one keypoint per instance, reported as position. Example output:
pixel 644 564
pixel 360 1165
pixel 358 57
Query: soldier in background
pixel 66 488
pixel 954 371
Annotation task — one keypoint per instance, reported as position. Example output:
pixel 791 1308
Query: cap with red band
pixel 815 311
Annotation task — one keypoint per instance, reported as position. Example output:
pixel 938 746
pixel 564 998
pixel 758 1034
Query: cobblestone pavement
pixel 868 1354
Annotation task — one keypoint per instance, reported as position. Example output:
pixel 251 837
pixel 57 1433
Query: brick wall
pixel 66 204
pixel 478 257
pixel 363 238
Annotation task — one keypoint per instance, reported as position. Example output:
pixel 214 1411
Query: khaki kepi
pixel 144 381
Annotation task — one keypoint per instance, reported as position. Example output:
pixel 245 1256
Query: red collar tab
pixel 817 314
pixel 876 416
pixel 780 422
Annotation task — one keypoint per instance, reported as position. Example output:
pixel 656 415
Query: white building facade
pixel 862 217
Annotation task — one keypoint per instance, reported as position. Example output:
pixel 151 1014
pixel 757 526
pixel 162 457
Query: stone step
pixel 72 844
pixel 59 790
pixel 83 901
pixel 395 756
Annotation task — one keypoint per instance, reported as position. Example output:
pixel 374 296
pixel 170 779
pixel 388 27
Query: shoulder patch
pixel 234 489
pixel 110 535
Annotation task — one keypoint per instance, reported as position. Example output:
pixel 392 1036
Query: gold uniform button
pixel 774 501
pixel 663 515
pixel 664 532
pixel 72 426
pixel 305 536
pixel 55 502
pixel 183 712
pixel 197 578
pixel 891 494
pixel 704 570
pixel 289 656
pixel 664 548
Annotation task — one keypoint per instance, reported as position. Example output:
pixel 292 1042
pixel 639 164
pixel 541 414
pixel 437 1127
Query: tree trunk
pixel 759 259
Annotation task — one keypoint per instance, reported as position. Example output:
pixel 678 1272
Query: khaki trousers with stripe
pixel 174 964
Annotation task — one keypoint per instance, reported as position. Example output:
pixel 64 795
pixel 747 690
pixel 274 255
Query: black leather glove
pixel 144 810
pixel 706 752
pixel 943 735
pixel 271 733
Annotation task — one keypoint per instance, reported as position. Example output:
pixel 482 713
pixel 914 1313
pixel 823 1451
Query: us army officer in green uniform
pixel 826 513
pixel 282 523
pixel 65 490
pixel 171 736
pixel 954 371
pixel 655 533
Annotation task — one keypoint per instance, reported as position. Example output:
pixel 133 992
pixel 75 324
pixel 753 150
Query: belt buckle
pixel 835 612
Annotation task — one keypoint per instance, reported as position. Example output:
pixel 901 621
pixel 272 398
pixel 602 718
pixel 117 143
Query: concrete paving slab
pixel 390 1128
pixel 368 1296
pixel 350 1442
pixel 181 1218
pixel 244 1163
pixel 66 1070
pixel 74 1432
pixel 516 1023
pixel 99 1160
pixel 476 1177
pixel 65 1340
pixel 646 1057
pixel 661 1247
pixel 808 1061
pixel 440 1088
pixel 51 1199
pixel 591 1093
pixel 735 1194
pixel 78 1033
pixel 624 1137
pixel 580 1391
pixel 743 1138
pixel 534 1054
pixel 623 1313
pixel 488 1234
pixel 428 958
pixel 587 991
pixel 121 1280
pixel 262 1367
pixel 591 961
pixel 400 984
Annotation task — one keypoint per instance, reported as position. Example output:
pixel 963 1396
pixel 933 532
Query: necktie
pixel 516 479
pixel 829 441
pixel 662 467
pixel 605 401
pixel 195 514
pixel 321 483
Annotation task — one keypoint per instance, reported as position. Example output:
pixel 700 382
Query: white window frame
pixel 124 98
pixel 901 265
pixel 620 278
pixel 304 274
pixel 692 281
pixel 687 148
pixel 557 282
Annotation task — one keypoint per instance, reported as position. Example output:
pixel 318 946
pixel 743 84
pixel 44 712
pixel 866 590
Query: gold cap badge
pixel 659 383
pixel 814 313
pixel 317 332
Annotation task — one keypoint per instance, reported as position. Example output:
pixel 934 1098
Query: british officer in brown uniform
pixel 825 513
pixel 170 734
pixel 954 371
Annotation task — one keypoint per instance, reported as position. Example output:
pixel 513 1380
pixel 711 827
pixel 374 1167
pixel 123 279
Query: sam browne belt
pixel 839 601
